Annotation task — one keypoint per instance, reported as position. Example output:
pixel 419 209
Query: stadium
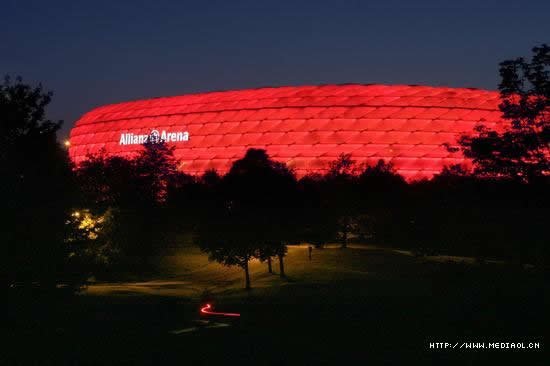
pixel 305 127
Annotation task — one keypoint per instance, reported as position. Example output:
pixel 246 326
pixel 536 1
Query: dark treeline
pixel 259 207
pixel 111 216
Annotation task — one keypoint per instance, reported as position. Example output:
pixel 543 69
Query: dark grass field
pixel 356 305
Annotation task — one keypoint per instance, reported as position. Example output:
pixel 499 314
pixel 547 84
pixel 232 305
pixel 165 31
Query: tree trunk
pixel 344 240
pixel 269 269
pixel 345 236
pixel 281 266
pixel 246 276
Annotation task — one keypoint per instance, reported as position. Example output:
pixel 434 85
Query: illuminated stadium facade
pixel 306 127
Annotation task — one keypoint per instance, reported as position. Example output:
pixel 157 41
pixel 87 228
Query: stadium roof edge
pixel 277 87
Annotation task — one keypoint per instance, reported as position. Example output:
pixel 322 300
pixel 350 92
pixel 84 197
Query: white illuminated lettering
pixel 155 135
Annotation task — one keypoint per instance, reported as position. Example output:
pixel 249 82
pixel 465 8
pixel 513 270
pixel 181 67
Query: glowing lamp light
pixel 207 309
pixel 67 143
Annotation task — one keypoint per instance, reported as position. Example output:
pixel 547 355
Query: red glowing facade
pixel 306 127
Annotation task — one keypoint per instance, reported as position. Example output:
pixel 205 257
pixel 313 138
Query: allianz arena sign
pixel 154 136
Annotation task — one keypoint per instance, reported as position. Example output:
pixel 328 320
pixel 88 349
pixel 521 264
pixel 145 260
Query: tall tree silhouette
pixel 341 190
pixel 36 186
pixel 255 219
pixel 155 170
pixel 522 151
pixel 133 192
pixel 382 198
pixel 156 166
pixel 263 193
pixel 317 220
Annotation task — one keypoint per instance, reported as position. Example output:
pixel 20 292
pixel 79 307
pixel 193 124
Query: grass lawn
pixel 338 274
pixel 360 304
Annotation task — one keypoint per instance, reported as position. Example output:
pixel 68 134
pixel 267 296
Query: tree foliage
pixel 132 193
pixel 36 189
pixel 522 150
pixel 254 218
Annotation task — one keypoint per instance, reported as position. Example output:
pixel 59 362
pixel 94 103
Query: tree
pixel 522 150
pixel 253 217
pixel 156 166
pixel 343 166
pixel 91 245
pixel 317 220
pixel 37 187
pixel 107 181
pixel 156 169
pixel 226 240
pixel 381 176
pixel 263 191
pixel 133 192
pixel 341 191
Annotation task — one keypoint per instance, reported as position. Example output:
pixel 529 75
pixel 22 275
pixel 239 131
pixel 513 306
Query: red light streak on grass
pixel 207 309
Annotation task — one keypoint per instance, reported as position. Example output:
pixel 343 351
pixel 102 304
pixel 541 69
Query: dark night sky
pixel 96 52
